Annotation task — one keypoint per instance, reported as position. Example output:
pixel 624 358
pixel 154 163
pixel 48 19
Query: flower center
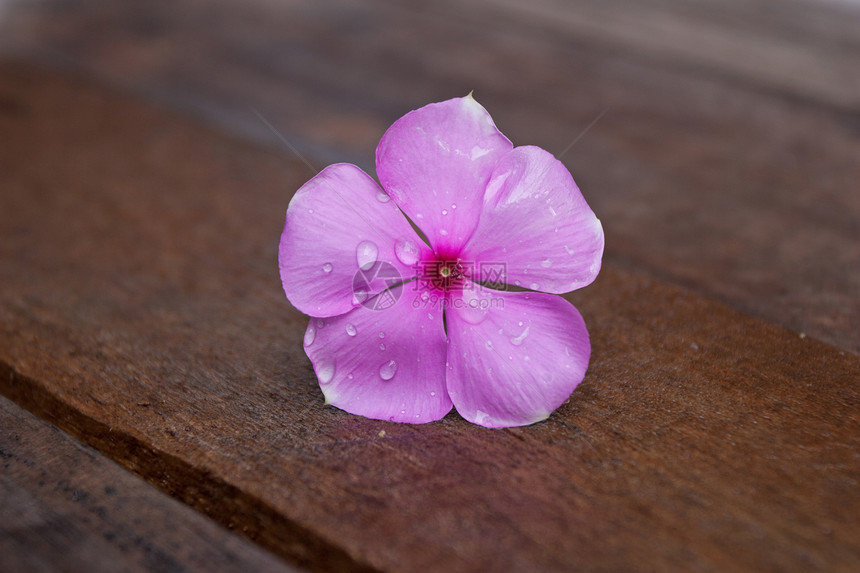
pixel 444 274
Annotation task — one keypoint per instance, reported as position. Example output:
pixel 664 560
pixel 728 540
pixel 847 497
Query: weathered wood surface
pixel 726 160
pixel 65 507
pixel 141 312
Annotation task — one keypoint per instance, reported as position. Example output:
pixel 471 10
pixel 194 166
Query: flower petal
pixel 536 222
pixel 384 364
pixel 340 230
pixel 513 358
pixel 435 163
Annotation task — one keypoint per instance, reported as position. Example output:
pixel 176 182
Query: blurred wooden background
pixel 141 200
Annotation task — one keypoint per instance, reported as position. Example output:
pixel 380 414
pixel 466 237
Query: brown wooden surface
pixel 141 310
pixel 65 507
pixel 726 160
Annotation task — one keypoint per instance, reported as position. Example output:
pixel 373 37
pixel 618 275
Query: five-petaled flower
pixel 502 357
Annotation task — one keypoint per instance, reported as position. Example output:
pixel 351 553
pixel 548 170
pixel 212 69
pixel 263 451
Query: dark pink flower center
pixel 445 273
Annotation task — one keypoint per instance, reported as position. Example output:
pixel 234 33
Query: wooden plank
pixel 64 507
pixel 142 313
pixel 730 175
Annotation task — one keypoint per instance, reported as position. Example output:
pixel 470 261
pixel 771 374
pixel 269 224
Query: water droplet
pixel 350 376
pixel 443 232
pixel 350 330
pixel 360 295
pixel 516 341
pixel 489 344
pixel 387 370
pixel 546 263
pixel 444 211
pixel 406 250
pixel 310 211
pixel 424 296
pixel 325 372
pixel 520 323
pixel 382 346
pixel 419 216
pixel 475 305
pixel 381 334
pixel 365 254
pixel 569 250
pixel 320 323
pixel 432 393
pixel 453 205
pixel 534 286
pixel 551 210
pixel 430 315
pixel 327 268
pixel 382 197
pixel 310 334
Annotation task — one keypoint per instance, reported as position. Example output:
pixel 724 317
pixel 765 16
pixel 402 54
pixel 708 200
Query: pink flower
pixel 402 330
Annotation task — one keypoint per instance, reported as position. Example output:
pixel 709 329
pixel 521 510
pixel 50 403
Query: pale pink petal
pixel 340 229
pixel 513 357
pixel 384 364
pixel 435 162
pixel 537 224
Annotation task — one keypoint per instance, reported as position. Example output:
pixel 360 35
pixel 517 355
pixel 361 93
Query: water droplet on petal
pixel 382 197
pixel 365 254
pixel 443 232
pixel 310 211
pixel 517 340
pixel 382 346
pixel 419 216
pixel 310 334
pixel 534 286
pixel 453 205
pixel 432 393
pixel 325 372
pixel 327 268
pixel 387 370
pixel 350 330
pixel 520 323
pixel 360 296
pixel 546 263
pixel 406 250
pixel 320 323
pixel 489 344
pixel 475 305
pixel 381 334
pixel 569 250
pixel 444 211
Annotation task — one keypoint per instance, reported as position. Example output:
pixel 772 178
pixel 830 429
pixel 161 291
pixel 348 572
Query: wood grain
pixel 64 507
pixel 727 159
pixel 141 312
